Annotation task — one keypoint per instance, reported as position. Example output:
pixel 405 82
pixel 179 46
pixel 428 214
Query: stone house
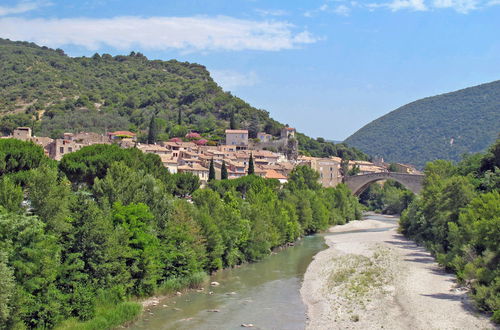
pixel 264 137
pixel 238 138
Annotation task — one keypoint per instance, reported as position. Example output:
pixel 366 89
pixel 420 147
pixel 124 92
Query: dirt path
pixel 378 279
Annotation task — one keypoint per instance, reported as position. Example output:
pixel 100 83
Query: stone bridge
pixel 358 183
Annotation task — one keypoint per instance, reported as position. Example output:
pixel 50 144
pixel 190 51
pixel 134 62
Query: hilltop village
pixel 192 154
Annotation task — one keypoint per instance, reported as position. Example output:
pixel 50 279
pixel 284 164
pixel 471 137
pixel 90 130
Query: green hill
pixel 54 93
pixel 439 127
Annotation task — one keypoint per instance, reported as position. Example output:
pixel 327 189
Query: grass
pixel 107 317
pixel 356 276
pixel 172 285
pixel 111 312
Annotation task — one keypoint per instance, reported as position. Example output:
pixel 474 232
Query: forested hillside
pixel 439 127
pixel 55 93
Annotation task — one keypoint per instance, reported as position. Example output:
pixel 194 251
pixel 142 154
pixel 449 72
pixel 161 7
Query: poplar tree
pixel 211 171
pixel 223 171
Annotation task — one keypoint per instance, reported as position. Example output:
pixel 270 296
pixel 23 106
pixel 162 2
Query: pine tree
pixel 223 171
pixel 251 169
pixel 152 131
pixel 211 171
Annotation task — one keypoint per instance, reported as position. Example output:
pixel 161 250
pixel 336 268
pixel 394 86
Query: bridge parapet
pixel 358 183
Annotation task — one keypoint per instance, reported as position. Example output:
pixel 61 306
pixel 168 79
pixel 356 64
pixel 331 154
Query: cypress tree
pixel 179 117
pixel 152 131
pixel 211 171
pixel 232 122
pixel 251 169
pixel 223 171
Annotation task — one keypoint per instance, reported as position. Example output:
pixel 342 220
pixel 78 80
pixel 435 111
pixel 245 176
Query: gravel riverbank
pixel 377 279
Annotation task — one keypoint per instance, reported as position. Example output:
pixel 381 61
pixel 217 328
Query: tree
pixel 7 283
pixel 344 168
pixel 251 169
pixel 152 133
pixel 393 167
pixel 186 184
pixel 17 156
pixel 354 170
pixel 91 162
pixel 11 195
pixel 254 127
pixel 50 198
pixel 211 171
pixel 179 116
pixel 223 171
pixel 303 177
pixel 232 121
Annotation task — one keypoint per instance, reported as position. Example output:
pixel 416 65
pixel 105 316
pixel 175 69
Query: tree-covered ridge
pixel 79 238
pixel 44 89
pixel 439 127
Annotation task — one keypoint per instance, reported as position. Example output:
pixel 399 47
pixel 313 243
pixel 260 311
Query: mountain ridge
pixel 443 126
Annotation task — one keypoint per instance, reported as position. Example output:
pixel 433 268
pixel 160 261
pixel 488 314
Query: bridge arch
pixel 358 183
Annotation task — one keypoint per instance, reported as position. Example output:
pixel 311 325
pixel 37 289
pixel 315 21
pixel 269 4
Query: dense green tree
pixel 142 255
pixel 89 163
pixel 303 177
pixel 11 195
pixel 17 156
pixel 7 283
pixel 50 197
pixel 186 184
pixel 34 257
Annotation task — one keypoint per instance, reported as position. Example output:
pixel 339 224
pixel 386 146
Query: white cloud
pixel 22 7
pixel 271 12
pixel 461 6
pixel 197 33
pixel 342 10
pixel 230 80
pixel 339 10
pixel 416 5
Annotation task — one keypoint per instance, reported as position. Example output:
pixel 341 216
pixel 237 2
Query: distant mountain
pixel 439 127
pixel 53 93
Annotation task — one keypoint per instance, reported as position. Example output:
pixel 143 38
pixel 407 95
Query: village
pixel 191 154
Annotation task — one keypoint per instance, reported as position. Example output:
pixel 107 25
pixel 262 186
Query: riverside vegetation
pixel 457 217
pixel 81 240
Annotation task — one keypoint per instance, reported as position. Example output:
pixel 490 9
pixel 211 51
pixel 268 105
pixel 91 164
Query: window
pixel 70 149
pixel 61 150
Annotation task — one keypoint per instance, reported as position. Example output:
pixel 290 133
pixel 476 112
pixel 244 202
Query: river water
pixel 265 294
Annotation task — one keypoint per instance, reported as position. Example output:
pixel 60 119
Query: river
pixel 265 294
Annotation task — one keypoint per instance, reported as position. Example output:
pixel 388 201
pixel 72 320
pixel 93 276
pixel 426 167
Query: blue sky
pixel 326 67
